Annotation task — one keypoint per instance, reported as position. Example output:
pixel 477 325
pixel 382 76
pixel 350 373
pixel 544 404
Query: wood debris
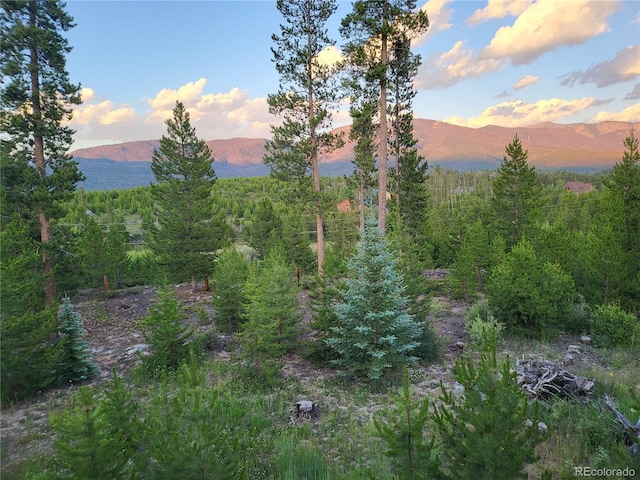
pixel 543 379
pixel 632 432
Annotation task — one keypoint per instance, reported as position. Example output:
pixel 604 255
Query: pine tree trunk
pixel 46 234
pixel 382 147
pixel 194 284
pixel 361 198
pixel 318 206
pixel 314 156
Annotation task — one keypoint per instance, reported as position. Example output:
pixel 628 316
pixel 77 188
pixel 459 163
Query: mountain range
pixel 576 146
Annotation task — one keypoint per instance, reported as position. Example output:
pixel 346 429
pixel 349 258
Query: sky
pixel 494 62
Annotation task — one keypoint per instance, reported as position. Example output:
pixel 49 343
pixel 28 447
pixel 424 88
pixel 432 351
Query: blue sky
pixel 499 62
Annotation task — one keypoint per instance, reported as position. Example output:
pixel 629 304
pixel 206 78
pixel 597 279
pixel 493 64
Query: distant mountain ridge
pixel 550 145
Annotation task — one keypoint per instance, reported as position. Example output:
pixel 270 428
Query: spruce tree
pixel 36 96
pixel 227 286
pixel 306 94
pixel 76 361
pixel 190 229
pixel 376 335
pixel 516 195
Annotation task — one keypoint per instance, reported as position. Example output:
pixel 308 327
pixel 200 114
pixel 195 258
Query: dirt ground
pixel 112 329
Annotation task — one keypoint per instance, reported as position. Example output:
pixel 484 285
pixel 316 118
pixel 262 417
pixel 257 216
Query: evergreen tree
pixel 306 94
pixel 376 336
pixel 185 435
pixel 297 244
pixel 85 446
pixel 122 414
pixel 38 174
pixel 530 295
pixel 364 152
pixel 622 210
pixel 370 30
pixel 116 246
pixel 93 254
pixel 190 230
pixel 410 174
pixel 271 318
pixel 165 334
pixel 265 230
pixel 413 456
pixel 474 261
pixel 227 284
pixel 29 358
pixel 516 195
pixel 323 318
pixel 21 272
pixel 491 433
pixel 76 361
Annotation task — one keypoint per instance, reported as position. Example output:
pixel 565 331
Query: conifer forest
pixel 439 324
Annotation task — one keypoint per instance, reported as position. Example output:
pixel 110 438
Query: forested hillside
pixel 396 322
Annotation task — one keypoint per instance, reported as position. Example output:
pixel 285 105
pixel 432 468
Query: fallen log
pixel 632 432
pixel 543 379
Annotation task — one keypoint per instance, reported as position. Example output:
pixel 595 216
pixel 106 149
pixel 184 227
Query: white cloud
pixel 87 94
pixel 630 114
pixel 548 24
pixel 446 69
pixel 518 113
pixel 103 113
pixel 526 81
pixel 166 98
pixel 624 67
pixel 214 115
pixel 498 9
pixel 634 94
pixel 330 55
pixel 439 19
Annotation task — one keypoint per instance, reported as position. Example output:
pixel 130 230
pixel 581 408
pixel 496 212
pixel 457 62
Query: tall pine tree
pixel 190 229
pixel 37 98
pixel 376 336
pixel 516 195
pixel 370 30
pixel 622 212
pixel 304 100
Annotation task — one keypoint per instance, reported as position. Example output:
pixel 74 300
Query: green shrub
pixel 531 296
pixel 480 323
pixel 610 326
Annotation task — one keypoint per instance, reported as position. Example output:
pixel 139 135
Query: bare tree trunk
pixel 382 147
pixel 46 234
pixel 194 284
pixel 314 158
pixel 361 199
